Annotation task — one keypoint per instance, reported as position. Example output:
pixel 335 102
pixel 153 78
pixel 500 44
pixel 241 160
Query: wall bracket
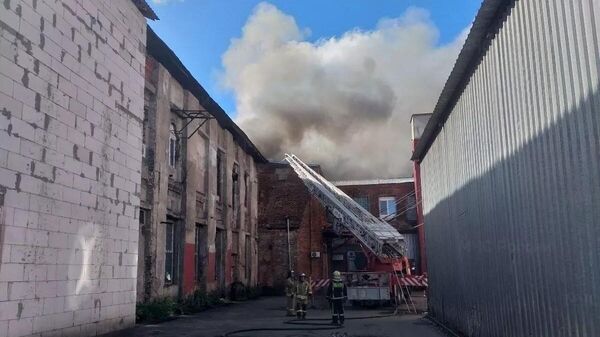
pixel 189 116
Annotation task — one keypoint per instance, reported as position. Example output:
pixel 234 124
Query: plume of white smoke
pixel 343 102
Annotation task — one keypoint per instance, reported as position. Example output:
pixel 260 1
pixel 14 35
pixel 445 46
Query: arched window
pixel 172 145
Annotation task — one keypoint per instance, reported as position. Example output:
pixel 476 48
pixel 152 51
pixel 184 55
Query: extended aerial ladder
pixel 379 237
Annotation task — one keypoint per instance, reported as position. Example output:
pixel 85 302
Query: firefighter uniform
pixel 290 288
pixel 337 294
pixel 302 292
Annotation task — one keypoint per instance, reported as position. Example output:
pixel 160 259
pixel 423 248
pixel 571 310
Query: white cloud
pixel 344 102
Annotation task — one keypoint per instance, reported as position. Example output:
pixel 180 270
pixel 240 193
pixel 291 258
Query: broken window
pixel 172 146
pixel 387 206
pixel 219 175
pixel 170 253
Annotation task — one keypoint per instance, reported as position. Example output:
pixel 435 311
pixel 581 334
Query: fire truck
pixel 388 277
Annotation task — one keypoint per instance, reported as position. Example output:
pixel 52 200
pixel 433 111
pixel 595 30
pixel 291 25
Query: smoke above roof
pixel 343 102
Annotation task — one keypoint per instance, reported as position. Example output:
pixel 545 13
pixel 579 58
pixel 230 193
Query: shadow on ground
pixel 262 313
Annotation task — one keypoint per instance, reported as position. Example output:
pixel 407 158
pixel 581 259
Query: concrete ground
pixel 268 312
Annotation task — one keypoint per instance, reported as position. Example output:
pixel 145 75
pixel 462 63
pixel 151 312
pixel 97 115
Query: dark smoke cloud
pixel 343 102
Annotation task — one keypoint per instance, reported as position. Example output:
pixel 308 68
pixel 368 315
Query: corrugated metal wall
pixel 412 246
pixel 511 185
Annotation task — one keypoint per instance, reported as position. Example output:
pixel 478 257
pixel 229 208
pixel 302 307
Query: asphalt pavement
pixel 269 313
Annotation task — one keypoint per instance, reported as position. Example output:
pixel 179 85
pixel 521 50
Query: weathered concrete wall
pixel 187 196
pixel 71 96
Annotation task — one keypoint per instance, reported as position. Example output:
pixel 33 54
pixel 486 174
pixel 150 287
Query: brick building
pixel 71 96
pixel 199 187
pixel 392 200
pixel 282 196
pixel 314 248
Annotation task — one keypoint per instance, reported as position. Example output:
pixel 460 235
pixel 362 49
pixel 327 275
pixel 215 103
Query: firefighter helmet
pixel 337 275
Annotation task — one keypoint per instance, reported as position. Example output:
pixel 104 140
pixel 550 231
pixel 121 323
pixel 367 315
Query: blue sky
pixel 200 31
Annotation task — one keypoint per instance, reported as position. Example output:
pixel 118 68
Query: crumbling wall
pixel 71 96
pixel 187 196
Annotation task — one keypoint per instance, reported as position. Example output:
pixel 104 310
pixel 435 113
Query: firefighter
pixel 290 286
pixel 301 295
pixel 337 294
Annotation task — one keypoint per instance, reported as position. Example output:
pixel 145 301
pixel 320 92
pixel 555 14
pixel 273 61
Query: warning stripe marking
pixel 410 281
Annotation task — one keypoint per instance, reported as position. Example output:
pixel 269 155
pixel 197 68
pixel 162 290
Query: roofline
pixel 159 50
pixel 145 9
pixel 373 181
pixel 489 18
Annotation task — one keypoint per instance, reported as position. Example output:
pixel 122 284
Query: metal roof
pixel 486 24
pixel 145 9
pixel 159 50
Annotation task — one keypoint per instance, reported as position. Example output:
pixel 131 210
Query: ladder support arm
pixel 378 236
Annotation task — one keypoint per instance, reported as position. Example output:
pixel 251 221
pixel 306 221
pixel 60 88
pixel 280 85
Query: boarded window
pixel 200 253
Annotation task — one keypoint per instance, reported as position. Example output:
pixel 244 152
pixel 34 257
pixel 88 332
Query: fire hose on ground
pixel 309 326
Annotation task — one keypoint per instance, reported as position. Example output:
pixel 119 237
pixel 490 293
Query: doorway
pixel 201 254
pixel 220 259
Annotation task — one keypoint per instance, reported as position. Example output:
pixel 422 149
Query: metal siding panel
pixel 511 185
pixel 412 245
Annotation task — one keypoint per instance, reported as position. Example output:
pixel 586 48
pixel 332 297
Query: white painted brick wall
pixel 70 163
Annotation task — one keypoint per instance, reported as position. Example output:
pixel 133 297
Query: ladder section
pixel 378 236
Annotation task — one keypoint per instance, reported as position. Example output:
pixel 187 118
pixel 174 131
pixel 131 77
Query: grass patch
pixel 199 301
pixel 155 310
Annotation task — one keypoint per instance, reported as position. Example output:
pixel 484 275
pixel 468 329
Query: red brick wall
pixel 310 239
pixel 283 195
pixel 373 192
